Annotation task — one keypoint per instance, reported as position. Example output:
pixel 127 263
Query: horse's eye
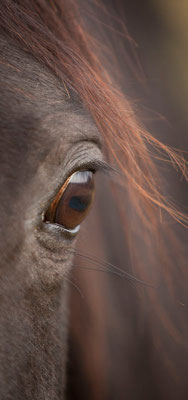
pixel 73 200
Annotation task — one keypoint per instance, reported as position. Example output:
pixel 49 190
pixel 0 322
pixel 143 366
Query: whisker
pixel 75 286
pixel 109 267
pixel 104 266
pixel 104 270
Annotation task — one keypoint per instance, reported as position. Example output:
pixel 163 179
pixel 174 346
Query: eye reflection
pixel 73 201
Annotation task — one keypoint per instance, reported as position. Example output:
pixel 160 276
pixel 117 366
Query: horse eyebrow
pixel 76 121
pixel 95 137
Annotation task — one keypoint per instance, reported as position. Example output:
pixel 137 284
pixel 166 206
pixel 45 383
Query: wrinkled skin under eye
pixel 73 201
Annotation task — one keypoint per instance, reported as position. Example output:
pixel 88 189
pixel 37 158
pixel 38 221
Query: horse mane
pixel 54 33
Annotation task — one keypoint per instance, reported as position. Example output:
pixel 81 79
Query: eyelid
pixel 90 165
pixel 56 227
pixel 97 166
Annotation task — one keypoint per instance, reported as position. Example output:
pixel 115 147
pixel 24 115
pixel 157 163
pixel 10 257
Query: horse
pixel 63 120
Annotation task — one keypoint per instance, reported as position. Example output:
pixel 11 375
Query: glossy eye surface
pixel 73 201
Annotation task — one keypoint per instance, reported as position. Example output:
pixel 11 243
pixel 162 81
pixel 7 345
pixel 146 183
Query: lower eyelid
pixel 54 237
pixel 53 226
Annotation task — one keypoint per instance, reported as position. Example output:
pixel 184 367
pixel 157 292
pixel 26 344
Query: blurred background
pixel 150 41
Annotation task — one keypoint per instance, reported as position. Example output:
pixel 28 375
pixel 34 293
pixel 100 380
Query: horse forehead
pixel 37 108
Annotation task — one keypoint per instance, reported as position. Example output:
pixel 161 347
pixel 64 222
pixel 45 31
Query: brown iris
pixel 73 200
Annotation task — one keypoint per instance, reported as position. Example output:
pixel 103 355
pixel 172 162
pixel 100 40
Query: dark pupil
pixel 76 200
pixel 79 203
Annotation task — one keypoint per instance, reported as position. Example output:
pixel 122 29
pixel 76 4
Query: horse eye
pixel 73 201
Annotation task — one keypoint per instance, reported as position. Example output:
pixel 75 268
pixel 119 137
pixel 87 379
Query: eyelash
pixel 95 166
